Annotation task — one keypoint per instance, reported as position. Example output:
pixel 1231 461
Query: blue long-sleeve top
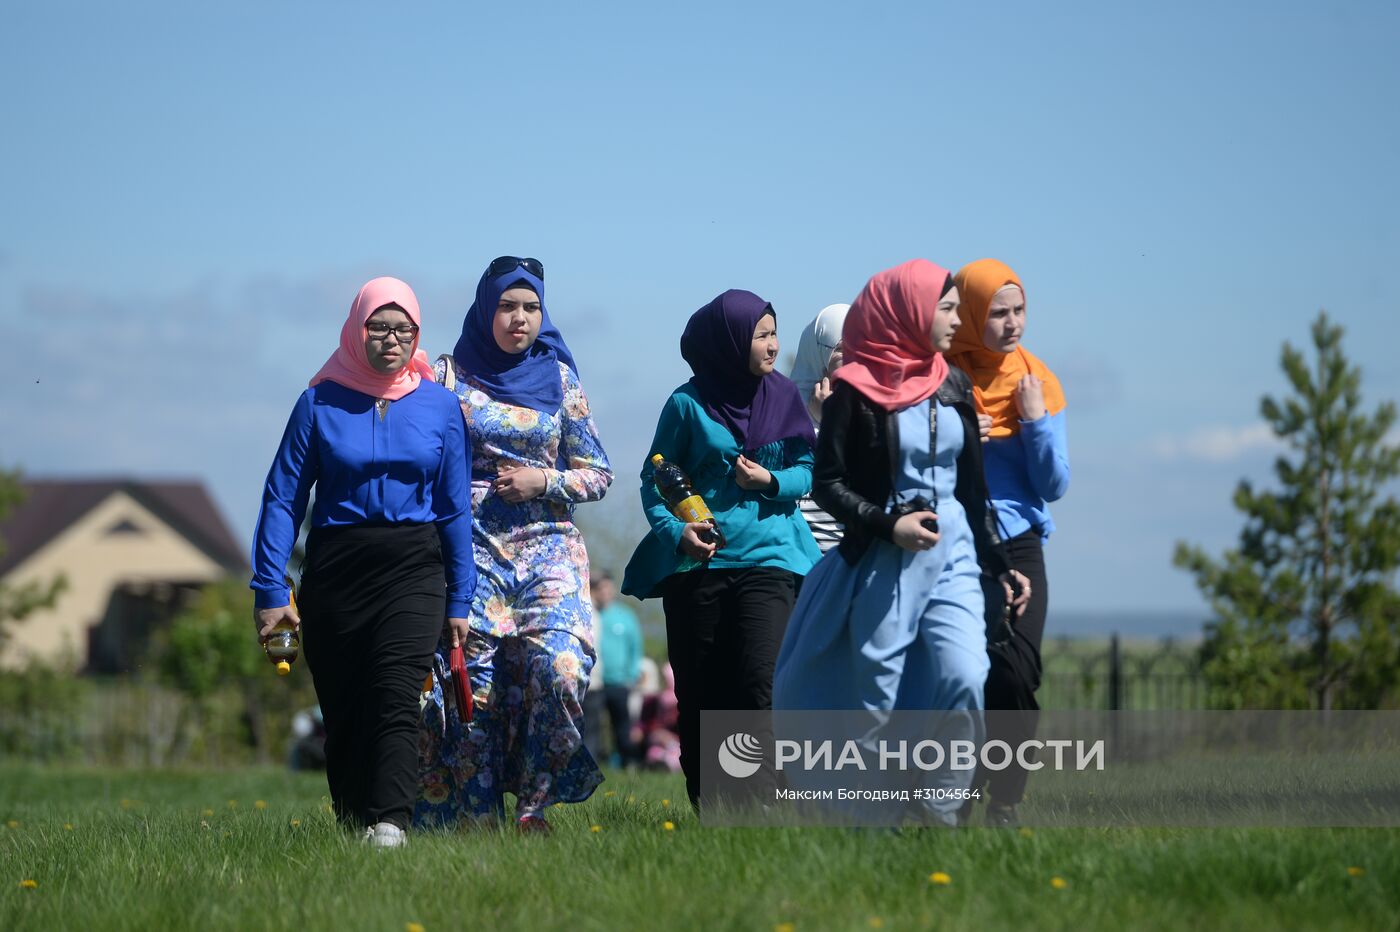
pixel 411 466
pixel 761 527
pixel 1026 472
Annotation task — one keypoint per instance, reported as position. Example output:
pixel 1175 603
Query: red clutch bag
pixel 461 684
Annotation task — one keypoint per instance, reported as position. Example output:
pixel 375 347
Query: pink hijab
pixel 349 365
pixel 889 354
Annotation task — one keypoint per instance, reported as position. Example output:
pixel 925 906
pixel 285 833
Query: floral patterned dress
pixel 530 649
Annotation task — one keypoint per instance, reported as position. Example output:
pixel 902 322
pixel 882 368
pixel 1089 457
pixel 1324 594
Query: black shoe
pixel 1000 816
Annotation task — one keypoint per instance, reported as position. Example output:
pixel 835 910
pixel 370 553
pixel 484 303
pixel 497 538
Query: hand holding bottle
pixel 267 620
pixel 692 544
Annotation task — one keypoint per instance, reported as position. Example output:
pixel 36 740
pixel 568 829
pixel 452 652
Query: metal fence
pixel 125 722
pixel 1116 675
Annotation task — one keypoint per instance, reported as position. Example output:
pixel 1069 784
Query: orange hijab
pixel 994 375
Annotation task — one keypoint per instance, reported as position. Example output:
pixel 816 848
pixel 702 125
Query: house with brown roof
pixel 132 553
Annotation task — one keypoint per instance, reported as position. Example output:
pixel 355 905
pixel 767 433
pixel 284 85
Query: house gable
pixel 95 562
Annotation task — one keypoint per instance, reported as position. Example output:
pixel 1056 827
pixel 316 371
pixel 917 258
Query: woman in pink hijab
pixel 389 556
pixel 892 619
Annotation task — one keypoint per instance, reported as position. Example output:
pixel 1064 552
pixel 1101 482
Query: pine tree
pixel 1306 606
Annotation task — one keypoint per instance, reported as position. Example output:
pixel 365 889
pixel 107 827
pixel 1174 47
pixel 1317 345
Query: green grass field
pixel 257 849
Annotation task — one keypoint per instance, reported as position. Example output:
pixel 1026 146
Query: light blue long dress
pixel 900 630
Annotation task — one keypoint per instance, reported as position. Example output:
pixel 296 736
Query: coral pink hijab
pixel 888 345
pixel 349 365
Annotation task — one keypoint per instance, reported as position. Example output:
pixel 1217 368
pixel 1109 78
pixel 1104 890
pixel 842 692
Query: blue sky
pixel 191 198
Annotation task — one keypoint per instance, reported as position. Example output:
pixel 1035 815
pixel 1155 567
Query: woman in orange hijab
pixel 1027 467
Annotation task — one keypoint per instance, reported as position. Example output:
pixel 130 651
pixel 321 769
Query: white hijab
pixel 814 348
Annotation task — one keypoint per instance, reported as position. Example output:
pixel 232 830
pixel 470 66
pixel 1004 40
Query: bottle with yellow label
pixel 674 487
pixel 284 643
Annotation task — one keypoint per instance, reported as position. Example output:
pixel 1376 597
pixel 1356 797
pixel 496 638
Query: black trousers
pixel 1015 672
pixel 620 715
pixel 373 603
pixel 723 631
pixel 594 708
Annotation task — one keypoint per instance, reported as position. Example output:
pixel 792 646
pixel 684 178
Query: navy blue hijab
pixel 529 379
pixel 757 409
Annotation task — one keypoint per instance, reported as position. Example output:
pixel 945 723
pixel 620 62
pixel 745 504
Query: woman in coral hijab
pixel 892 619
pixel 1027 468
pixel 389 554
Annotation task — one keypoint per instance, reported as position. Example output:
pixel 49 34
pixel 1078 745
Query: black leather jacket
pixel 857 449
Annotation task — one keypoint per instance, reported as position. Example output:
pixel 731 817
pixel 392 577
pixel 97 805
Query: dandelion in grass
pixel 208 813
pixel 1356 872
pixel 233 804
pixel 875 922
pixel 669 826
pixel 28 884
pixel 129 803
pixel 296 822
pixel 939 879
pixel 1025 832
pixel 609 794
pixel 785 927
pixel 666 802
pixel 259 804
pixel 1059 883
pixel 68 826
pixel 595 828
pixel 631 799
pixel 13 823
pixel 413 927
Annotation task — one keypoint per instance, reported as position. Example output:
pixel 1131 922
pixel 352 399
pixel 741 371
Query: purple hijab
pixel 757 410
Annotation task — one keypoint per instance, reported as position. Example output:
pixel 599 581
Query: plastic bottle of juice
pixel 283 644
pixel 675 489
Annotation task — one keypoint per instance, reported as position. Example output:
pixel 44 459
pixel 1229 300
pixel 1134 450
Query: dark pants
pixel 620 715
pixel 1015 672
pixel 594 708
pixel 373 600
pixel 723 631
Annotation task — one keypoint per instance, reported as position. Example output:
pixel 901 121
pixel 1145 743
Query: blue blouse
pixel 410 467
pixel 1026 472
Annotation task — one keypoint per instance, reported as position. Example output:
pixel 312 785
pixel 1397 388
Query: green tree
pixel 1306 605
pixel 210 654
pixel 17 602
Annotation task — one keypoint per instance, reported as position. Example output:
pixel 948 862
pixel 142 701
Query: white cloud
pixel 1215 444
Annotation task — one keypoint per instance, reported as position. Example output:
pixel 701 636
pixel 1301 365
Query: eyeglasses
pixel 503 264
pixel 405 332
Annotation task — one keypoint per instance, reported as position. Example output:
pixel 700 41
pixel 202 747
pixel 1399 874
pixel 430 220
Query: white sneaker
pixel 387 835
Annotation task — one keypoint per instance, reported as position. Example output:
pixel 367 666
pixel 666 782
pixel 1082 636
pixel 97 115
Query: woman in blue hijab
pixel 528 641
pixel 742 433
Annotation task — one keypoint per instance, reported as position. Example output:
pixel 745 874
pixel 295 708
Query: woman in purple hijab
pixel 742 434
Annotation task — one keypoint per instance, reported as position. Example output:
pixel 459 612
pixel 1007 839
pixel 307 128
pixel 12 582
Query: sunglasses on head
pixel 504 264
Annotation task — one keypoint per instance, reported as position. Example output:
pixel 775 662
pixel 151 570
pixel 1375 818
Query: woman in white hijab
pixel 819 355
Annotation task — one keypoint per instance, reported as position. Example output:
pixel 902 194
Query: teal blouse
pixel 761 528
